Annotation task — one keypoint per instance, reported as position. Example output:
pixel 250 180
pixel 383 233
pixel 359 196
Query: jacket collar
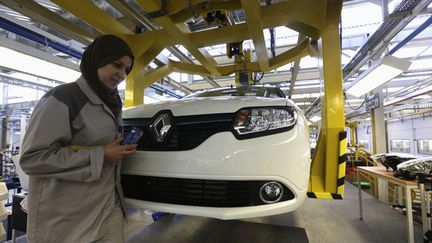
pixel 91 95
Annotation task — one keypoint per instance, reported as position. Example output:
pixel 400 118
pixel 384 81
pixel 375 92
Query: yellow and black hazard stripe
pixel 341 172
pixel 342 163
pixel 324 195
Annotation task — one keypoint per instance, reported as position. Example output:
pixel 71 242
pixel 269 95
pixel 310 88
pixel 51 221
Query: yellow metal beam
pixel 146 48
pixel 180 11
pixel 134 93
pixel 333 102
pixel 252 10
pixel 188 68
pixel 156 75
pixel 137 80
pixel 353 132
pixel 236 67
pixel 206 6
pixel 145 41
pixel 173 7
pixel 326 170
pixel 293 54
pixel 94 16
pixel 316 182
pixel 44 16
pixel 227 34
pixel 199 53
pixel 309 12
pixel 143 60
pixel 127 11
pixel 307 30
pixel 304 16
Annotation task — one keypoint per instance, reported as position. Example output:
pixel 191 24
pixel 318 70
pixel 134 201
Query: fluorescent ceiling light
pixel 27 64
pixel 392 89
pixel 315 118
pixel 421 91
pixel 422 97
pixel 409 78
pixel 380 72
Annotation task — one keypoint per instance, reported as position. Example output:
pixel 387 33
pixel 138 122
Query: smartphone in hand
pixel 132 136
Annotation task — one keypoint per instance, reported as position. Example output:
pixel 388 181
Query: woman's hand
pixel 115 151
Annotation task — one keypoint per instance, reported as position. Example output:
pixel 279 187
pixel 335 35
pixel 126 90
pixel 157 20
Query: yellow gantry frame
pixel 315 19
pixel 328 162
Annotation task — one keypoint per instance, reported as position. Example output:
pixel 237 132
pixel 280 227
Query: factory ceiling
pixel 191 45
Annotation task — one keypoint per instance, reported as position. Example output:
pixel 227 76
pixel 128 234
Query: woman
pixel 72 152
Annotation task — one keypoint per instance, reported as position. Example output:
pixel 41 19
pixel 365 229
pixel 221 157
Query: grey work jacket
pixel 72 190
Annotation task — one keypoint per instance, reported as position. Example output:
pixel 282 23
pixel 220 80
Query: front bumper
pixel 195 192
pixel 283 157
pixel 221 211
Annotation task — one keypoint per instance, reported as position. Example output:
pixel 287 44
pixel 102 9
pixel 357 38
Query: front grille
pixel 193 192
pixel 187 131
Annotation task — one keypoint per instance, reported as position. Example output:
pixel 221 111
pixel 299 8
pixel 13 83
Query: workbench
pixel 382 173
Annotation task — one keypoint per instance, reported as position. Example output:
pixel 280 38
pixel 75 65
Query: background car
pixel 226 153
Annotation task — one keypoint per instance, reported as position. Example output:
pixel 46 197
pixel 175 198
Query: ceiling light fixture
pixel 380 72
pixel 411 95
pixel 21 62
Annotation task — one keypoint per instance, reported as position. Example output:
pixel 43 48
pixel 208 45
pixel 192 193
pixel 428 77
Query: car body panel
pixel 202 105
pixel 232 159
pixel 283 157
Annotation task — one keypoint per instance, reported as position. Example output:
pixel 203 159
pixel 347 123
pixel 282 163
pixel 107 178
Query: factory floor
pixel 315 221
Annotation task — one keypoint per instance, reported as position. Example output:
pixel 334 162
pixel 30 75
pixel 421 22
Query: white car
pixel 225 153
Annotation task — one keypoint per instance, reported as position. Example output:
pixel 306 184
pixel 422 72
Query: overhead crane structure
pixel 316 21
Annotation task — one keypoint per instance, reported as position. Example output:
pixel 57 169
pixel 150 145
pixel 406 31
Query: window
pixel 424 146
pixel 400 145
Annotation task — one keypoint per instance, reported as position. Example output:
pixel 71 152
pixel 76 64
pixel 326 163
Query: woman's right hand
pixel 115 151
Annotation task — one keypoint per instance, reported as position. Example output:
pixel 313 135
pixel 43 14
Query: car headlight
pixel 253 122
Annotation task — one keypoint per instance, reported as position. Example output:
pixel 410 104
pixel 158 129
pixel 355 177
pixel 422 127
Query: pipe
pixel 407 115
pixel 412 35
pixel 38 38
pixel 169 92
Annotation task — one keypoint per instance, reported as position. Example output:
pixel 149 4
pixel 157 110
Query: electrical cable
pixel 254 76
pixel 357 108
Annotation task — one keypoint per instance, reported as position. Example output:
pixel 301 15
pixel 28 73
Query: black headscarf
pixel 103 50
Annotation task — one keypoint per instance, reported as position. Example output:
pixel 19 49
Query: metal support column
pixel 379 143
pixel 134 92
pixel 325 163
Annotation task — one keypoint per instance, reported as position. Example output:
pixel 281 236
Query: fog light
pixel 271 192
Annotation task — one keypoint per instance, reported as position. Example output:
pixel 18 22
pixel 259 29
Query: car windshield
pixel 267 92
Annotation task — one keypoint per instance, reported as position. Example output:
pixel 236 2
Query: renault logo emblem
pixel 161 126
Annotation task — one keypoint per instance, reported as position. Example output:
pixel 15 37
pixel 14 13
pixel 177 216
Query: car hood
pixel 204 105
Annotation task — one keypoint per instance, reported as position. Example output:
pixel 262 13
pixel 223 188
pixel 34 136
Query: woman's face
pixel 114 73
